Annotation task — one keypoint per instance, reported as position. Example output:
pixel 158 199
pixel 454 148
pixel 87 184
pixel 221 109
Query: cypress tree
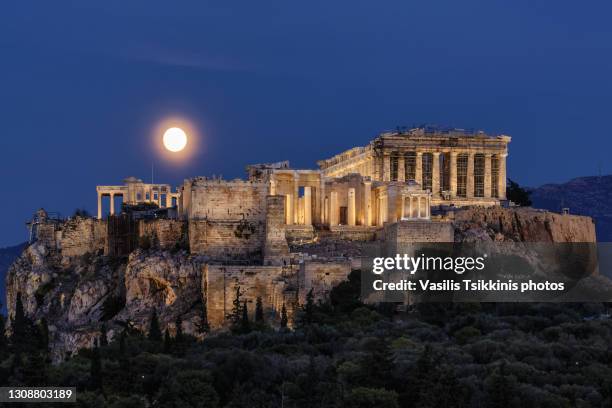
pixel 179 329
pixel 155 333
pixel 95 369
pixel 259 312
pixel 19 324
pixel 3 341
pixel 43 329
pixel 245 326
pixel 309 308
pixel 236 313
pixel 203 326
pixel 167 342
pixel 284 320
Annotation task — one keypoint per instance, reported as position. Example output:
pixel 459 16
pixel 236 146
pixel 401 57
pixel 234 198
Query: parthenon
pixel 401 175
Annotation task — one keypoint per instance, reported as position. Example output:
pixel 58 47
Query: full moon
pixel 175 139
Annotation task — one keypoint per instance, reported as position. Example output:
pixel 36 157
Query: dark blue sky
pixel 82 86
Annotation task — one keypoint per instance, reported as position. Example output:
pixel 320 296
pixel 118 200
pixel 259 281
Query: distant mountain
pixel 7 256
pixel 590 196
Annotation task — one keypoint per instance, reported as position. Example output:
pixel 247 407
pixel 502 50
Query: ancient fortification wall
pixel 321 277
pixel 276 249
pixel 419 231
pixel 166 233
pixel 228 219
pixel 219 200
pixel 274 284
pixel 227 240
pixel 82 235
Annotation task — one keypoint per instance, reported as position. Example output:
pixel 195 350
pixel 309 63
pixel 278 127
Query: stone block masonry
pixel 220 200
pixel 276 285
pixel 227 240
pixel 164 232
pixel 82 235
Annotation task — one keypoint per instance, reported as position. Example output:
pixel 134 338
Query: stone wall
pixel 297 233
pixel 166 233
pixel 276 285
pixel 275 248
pixel 227 240
pixel 321 277
pixel 353 233
pixel 526 224
pixel 82 235
pixel 406 232
pixel 221 200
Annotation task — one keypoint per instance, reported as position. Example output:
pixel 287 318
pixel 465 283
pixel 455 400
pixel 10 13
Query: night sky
pixel 82 87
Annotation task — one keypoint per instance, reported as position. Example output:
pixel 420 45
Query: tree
pixel 517 194
pixel 167 342
pixel 236 313
pixel 43 330
pixel 245 325
pixel 189 388
pixel 501 389
pixel 308 309
pixel 259 312
pixel 95 368
pixel 24 332
pixel 203 326
pixel 178 337
pixel 284 320
pixel 155 333
pixel 3 340
pixel 362 397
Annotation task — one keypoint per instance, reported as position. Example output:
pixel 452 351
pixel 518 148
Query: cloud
pixel 185 59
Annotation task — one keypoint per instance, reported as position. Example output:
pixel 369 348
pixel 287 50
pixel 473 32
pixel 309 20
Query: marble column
pixel 367 205
pixel 168 199
pixel 351 213
pixel 502 176
pixel 470 176
pixel 289 208
pixel 333 208
pixel 99 206
pixel 401 168
pixel 419 168
pixel 272 187
pixel 322 202
pixel 307 206
pixel 386 168
pixel 487 176
pixel 112 203
pixel 453 174
pixel 296 196
pixel 435 179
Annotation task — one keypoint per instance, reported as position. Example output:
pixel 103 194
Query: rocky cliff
pixel 522 225
pixel 77 295
pixel 79 292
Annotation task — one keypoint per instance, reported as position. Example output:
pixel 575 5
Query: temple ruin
pixel 402 187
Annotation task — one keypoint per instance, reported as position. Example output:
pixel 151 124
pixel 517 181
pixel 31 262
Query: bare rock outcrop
pixel 522 225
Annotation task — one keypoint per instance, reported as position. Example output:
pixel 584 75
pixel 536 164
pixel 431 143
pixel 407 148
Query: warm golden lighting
pixel 175 139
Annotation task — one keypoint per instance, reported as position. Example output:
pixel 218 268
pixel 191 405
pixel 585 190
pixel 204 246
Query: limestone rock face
pixel 522 225
pixel 78 294
pixel 168 283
